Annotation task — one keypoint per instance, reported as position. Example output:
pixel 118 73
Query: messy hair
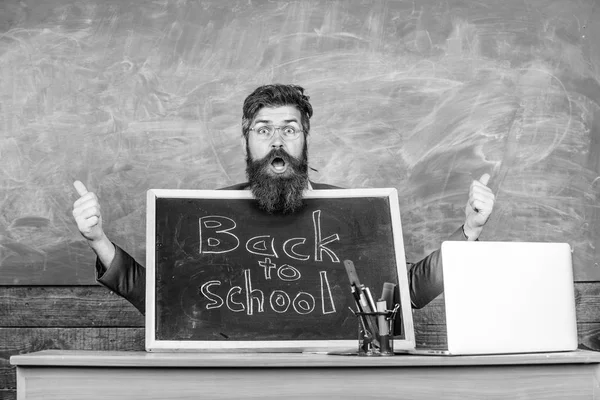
pixel 276 95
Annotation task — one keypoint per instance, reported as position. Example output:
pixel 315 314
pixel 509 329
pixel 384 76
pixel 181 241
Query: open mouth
pixel 278 165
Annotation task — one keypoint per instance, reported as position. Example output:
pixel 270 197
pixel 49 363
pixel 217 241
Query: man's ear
pixel 244 147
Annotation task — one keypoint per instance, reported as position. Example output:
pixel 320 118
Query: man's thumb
pixel 485 178
pixel 80 187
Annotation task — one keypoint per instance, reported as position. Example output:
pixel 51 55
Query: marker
pixel 384 329
pixel 387 294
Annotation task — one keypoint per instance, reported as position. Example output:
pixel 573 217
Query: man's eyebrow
pixel 268 121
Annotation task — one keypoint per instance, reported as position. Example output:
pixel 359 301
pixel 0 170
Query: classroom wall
pixel 422 96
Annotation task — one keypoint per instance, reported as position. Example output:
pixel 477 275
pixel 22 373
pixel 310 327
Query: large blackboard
pixel 222 273
pixel 421 95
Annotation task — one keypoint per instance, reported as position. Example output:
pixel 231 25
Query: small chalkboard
pixel 224 275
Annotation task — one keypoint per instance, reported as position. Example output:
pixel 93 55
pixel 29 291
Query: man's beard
pixel 278 193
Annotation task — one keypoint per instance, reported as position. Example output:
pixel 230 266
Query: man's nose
pixel 276 140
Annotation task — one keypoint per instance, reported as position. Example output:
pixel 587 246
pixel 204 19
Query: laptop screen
pixel 509 297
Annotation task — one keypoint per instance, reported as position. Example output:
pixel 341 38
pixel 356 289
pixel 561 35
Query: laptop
pixel 507 297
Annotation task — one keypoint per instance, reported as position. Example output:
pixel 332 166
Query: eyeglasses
pixel 266 132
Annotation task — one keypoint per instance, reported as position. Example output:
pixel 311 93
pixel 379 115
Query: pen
pixel 357 301
pixel 367 336
pixel 369 297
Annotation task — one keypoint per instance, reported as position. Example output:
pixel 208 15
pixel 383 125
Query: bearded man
pixel 275 128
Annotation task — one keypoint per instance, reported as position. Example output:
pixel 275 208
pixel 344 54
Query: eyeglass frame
pixel 276 128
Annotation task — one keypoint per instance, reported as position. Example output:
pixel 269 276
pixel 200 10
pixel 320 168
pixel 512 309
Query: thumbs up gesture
pixel 86 211
pixel 479 207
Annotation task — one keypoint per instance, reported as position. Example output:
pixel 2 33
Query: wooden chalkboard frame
pixel 154 344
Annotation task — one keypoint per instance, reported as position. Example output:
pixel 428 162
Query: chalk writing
pixel 252 300
pixel 217 237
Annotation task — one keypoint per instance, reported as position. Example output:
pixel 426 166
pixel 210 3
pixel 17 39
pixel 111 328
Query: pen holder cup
pixel 376 332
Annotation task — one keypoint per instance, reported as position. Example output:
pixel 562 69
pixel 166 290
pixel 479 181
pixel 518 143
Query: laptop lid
pixel 509 297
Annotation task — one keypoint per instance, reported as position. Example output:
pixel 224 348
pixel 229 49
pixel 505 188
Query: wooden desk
pixel 64 375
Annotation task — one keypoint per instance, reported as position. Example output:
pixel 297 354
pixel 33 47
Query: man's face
pixel 279 117
pixel 277 166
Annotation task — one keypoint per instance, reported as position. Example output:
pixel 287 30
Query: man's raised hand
pixel 86 211
pixel 479 207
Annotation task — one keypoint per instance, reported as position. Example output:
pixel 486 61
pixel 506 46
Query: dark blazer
pixel 127 277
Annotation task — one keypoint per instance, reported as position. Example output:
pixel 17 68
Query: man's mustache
pixel 279 153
